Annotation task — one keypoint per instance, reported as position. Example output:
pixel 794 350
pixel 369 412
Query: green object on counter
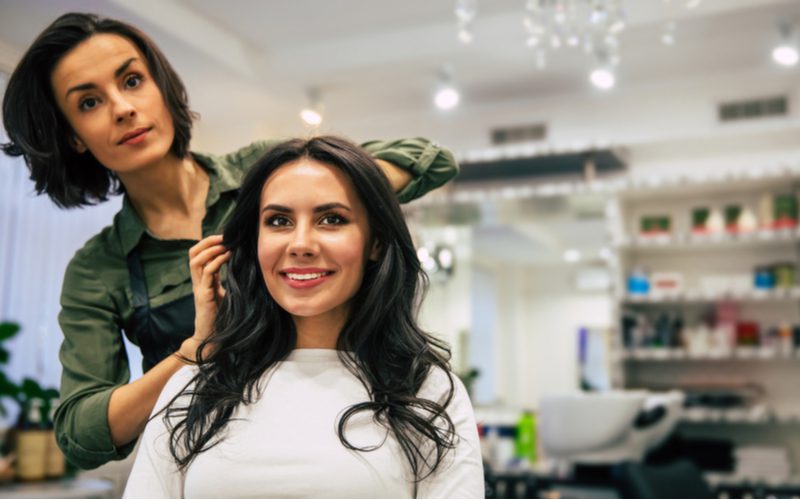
pixel 526 437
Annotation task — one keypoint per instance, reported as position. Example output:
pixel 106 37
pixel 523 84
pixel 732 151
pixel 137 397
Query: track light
pixel 447 96
pixel 312 115
pixel 603 78
pixel 785 52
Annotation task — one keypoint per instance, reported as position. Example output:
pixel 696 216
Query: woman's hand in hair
pixel 205 261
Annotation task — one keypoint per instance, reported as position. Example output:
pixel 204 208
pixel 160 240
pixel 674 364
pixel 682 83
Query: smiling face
pixel 313 239
pixel 116 111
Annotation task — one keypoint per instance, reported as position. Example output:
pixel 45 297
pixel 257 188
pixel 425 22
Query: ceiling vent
pixel 753 108
pixel 521 133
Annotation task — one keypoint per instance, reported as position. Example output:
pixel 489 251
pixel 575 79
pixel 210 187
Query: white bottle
pixel 715 223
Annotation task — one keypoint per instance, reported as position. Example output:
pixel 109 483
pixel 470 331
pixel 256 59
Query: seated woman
pixel 315 379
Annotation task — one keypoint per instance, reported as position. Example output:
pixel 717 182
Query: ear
pixel 375 252
pixel 77 144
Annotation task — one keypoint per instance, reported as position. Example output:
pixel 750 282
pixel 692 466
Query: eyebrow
pixel 87 86
pixel 317 209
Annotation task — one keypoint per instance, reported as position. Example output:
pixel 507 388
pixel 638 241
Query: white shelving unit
pixel 772 415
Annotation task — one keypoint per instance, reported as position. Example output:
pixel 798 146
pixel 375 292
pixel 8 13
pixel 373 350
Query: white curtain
pixel 37 240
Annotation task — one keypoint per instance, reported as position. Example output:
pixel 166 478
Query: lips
pixel 134 136
pixel 301 278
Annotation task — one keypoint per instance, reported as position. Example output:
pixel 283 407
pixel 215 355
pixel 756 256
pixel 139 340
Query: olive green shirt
pixel 96 299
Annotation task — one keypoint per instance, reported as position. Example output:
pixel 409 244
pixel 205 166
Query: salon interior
pixel 615 267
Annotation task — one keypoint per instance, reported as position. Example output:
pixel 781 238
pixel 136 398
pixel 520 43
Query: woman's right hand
pixel 205 261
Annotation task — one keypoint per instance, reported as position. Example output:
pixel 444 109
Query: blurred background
pixel 616 265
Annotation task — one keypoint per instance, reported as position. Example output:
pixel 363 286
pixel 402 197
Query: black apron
pixel 158 331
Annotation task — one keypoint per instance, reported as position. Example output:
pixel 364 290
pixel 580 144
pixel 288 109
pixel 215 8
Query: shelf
pixel 691 242
pixel 624 186
pixel 739 354
pixel 690 185
pixel 719 479
pixel 758 415
pixel 694 296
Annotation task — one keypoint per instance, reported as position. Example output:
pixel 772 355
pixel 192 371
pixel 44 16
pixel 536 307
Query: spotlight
pixel 603 78
pixel 785 52
pixel 445 258
pixel 447 96
pixel 572 255
pixel 312 115
pixel 785 55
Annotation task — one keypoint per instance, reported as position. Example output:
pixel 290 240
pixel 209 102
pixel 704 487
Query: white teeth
pixel 304 277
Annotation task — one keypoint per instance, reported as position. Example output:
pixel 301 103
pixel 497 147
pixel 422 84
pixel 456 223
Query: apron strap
pixel 138 284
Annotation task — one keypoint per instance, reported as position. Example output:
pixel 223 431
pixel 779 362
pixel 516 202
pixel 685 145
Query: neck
pixel 173 186
pixel 319 332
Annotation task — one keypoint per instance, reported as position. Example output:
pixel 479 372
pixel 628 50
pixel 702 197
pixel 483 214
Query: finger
pixel 206 242
pixel 211 270
pixel 215 264
pixel 201 260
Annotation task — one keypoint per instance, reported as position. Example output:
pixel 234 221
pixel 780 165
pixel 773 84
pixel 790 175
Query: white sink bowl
pixel 599 427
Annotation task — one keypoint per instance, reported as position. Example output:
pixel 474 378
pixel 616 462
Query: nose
pixel 303 243
pixel 123 109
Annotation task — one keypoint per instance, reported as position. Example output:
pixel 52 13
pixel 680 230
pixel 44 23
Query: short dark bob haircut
pixel 41 134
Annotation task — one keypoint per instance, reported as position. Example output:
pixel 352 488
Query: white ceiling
pixel 250 61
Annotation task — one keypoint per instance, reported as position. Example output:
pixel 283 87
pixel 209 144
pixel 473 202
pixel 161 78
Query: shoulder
pixel 180 381
pixel 232 167
pixel 439 384
pixel 244 158
pixel 99 253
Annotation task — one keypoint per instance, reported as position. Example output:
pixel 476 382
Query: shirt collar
pixel 130 226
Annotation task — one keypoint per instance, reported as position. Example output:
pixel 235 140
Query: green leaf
pixel 31 389
pixel 4 355
pixel 8 330
pixel 50 394
pixel 7 387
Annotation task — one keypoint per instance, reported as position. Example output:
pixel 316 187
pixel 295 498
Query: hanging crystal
pixel 668 33
pixel 466 10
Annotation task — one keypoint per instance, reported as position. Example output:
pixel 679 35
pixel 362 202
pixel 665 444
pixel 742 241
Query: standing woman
pixel 96 110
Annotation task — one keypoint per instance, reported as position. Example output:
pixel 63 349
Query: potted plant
pixel 37 454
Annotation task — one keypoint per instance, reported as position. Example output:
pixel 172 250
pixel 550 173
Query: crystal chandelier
pixel 593 26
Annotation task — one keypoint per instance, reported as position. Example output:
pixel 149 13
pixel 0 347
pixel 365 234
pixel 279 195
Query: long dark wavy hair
pixel 381 343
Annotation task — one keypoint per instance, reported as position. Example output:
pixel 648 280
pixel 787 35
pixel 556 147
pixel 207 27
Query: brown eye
pixel 277 221
pixel 133 81
pixel 333 220
pixel 87 104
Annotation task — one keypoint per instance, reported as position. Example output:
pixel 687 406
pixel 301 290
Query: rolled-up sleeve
pixel 430 164
pixel 94 363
